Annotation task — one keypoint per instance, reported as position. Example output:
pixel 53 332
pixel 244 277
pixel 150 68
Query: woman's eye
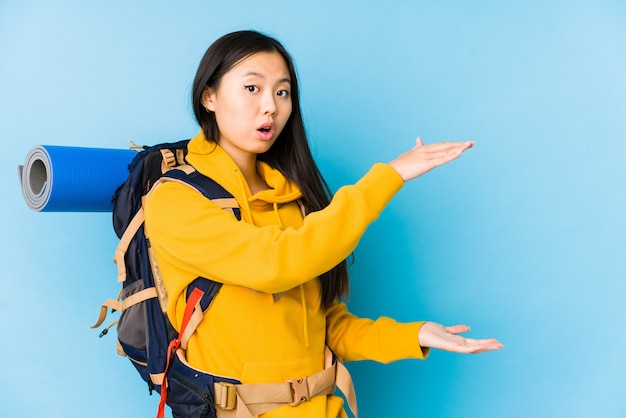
pixel 252 89
pixel 283 93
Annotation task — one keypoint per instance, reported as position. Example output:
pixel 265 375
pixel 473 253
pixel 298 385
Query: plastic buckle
pixel 169 159
pixel 300 390
pixel 228 396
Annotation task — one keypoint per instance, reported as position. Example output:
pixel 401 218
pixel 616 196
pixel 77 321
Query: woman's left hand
pixel 437 336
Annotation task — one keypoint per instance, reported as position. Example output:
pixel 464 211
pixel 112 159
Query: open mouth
pixel 266 131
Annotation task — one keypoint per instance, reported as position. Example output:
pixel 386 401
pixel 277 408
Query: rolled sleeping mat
pixel 73 179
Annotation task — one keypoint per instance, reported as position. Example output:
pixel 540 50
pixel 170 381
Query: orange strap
pixel 192 301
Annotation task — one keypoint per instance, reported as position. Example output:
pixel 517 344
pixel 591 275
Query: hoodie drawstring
pixel 305 317
pixel 275 298
pixel 280 221
pixel 244 201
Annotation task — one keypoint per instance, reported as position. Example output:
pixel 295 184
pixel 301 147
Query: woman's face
pixel 251 104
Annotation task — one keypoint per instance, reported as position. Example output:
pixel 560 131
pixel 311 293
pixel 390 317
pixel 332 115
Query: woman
pixel 284 274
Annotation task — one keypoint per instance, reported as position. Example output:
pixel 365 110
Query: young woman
pixel 283 265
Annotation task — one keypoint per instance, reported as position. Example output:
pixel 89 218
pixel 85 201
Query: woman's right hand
pixel 423 158
pixel 434 335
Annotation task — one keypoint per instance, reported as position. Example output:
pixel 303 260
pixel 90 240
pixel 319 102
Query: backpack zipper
pixel 209 402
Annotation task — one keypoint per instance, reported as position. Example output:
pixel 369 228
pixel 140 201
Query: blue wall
pixel 523 238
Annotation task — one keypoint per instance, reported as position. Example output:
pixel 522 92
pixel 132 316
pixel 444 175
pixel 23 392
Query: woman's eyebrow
pixel 255 74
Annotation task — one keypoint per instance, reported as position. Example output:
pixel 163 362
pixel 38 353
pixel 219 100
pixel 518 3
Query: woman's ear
pixel 207 99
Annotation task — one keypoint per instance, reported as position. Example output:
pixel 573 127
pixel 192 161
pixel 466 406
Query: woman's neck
pixel 248 166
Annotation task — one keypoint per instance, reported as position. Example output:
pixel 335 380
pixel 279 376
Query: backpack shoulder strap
pixel 204 185
pixel 209 188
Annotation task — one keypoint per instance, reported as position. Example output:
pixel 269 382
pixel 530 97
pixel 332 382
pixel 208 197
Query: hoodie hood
pixel 211 160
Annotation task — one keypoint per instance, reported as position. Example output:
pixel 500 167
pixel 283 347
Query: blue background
pixel 523 238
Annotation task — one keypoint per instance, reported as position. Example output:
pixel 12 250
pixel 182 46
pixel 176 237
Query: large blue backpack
pixel 145 334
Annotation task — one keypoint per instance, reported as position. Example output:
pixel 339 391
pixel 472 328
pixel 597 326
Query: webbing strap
pixel 192 325
pixel 193 303
pixel 125 240
pixel 346 386
pixel 157 378
pixel 121 306
pixel 248 400
pixel 226 203
pixel 257 399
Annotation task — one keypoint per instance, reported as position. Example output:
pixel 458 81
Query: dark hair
pixel 290 154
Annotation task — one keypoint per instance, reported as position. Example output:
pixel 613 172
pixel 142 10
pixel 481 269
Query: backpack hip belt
pixel 248 400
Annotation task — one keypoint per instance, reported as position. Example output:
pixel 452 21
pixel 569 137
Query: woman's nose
pixel 269 104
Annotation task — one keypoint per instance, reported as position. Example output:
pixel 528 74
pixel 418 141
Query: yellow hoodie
pixel 265 325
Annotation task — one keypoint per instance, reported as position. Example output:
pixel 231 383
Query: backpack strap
pixel 244 400
pixel 122 305
pixel 343 380
pixel 184 174
pixel 209 188
pixel 200 292
pixel 248 400
pixel 122 246
pixel 193 305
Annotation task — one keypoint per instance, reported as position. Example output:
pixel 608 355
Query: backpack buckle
pixel 228 396
pixel 300 390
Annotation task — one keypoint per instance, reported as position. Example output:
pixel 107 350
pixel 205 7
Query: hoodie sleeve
pixel 191 236
pixel 383 340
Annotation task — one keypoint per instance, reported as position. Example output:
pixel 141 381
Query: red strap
pixel 192 301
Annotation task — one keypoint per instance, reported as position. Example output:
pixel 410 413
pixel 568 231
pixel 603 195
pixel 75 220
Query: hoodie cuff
pixel 380 185
pixel 424 351
pixel 404 340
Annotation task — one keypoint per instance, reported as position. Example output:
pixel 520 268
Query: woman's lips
pixel 266 131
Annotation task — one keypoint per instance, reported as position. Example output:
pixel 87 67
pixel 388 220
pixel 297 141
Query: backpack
pixel 145 335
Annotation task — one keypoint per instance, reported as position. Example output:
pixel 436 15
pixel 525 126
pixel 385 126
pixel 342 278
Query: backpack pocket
pixel 132 327
pixel 190 391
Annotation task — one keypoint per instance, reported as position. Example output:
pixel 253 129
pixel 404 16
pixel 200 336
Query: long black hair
pixel 290 153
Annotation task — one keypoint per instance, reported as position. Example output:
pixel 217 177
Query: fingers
pixel 457 329
pixel 481 346
pixel 447 145
pixel 469 345
pixel 441 152
pixel 443 157
pixel 437 336
pixel 423 158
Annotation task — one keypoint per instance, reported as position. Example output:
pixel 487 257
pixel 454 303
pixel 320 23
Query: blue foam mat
pixel 73 179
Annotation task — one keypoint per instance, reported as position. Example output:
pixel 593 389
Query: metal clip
pixel 228 396
pixel 300 391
